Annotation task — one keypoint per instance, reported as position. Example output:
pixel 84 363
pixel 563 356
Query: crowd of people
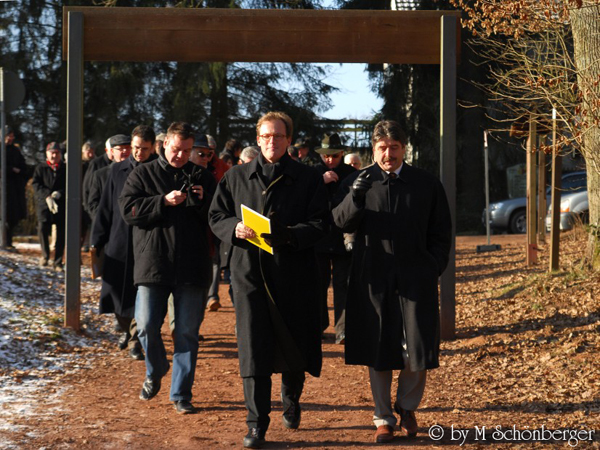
pixel 164 218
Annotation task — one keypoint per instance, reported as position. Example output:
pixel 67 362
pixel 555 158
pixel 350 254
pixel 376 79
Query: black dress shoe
pixel 123 341
pixel 255 438
pixel 291 416
pixel 184 407
pixel 136 353
pixel 150 388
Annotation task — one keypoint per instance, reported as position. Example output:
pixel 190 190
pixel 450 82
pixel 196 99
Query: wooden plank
pixel 195 35
pixel 555 200
pixel 531 257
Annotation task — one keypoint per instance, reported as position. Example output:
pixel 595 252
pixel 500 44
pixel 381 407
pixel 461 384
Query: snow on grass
pixel 35 350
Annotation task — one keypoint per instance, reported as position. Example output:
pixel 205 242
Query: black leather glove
pixel 360 187
pixel 280 235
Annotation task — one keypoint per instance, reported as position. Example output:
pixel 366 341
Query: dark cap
pixel 330 145
pixel 119 139
pixel 301 143
pixel 201 141
pixel 52 146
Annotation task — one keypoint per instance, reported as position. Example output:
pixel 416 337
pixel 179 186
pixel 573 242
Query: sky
pixel 355 99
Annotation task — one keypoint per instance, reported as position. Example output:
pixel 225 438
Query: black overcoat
pixel 170 243
pixel 16 203
pixel 334 241
pixel 113 235
pixel 276 296
pixel 95 164
pixel 402 243
pixel 46 181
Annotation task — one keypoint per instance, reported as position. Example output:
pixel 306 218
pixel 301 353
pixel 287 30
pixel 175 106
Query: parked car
pixel 510 215
pixel 574 208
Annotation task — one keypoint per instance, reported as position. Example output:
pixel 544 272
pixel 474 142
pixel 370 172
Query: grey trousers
pixel 411 386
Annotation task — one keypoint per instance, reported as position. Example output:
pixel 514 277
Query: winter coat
pixel 334 241
pixel 16 203
pixel 111 234
pixel 402 243
pixel 46 181
pixel 276 296
pixel 170 243
pixel 95 164
pixel 96 187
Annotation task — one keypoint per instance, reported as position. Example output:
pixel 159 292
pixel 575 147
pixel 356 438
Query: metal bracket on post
pixel 74 138
pixel 448 167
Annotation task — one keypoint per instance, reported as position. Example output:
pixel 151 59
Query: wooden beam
pixel 265 35
pixel 75 23
pixel 448 69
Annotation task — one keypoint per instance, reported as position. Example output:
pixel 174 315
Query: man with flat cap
pixel 305 156
pixel 120 149
pixel 403 237
pixel 49 185
pixel 332 256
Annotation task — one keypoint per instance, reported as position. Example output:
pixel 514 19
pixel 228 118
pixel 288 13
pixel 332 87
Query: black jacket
pixel 334 241
pixel 97 182
pixel 276 296
pixel 402 243
pixel 45 182
pixel 111 234
pixel 170 243
pixel 94 165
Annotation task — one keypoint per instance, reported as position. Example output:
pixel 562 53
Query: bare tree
pixel 545 54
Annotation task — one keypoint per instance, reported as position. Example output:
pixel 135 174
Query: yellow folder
pixel 259 224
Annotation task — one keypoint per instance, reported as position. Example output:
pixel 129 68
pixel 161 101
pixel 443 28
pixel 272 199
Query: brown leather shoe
pixel 384 433
pixel 408 421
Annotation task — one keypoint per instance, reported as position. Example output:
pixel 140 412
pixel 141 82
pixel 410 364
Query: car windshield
pixel 572 183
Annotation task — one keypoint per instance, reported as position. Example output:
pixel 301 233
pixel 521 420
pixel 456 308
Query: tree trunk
pixel 585 23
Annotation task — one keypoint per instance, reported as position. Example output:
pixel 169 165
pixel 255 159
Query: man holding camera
pixel 166 201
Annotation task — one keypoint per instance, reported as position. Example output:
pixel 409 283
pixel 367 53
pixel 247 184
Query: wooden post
pixel 555 201
pixel 448 168
pixel 74 139
pixel 531 191
pixel 541 195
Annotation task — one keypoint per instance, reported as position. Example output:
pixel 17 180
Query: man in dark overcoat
pixel 276 295
pixel 95 164
pixel 332 256
pixel 111 235
pixel 166 201
pixel 17 174
pixel 49 185
pixel 403 237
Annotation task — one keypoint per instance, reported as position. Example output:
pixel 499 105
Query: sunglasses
pixel 205 155
pixel 334 156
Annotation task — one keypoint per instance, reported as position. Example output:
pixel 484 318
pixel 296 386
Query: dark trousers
pixel 334 267
pixel 257 396
pixel 130 326
pixel 44 232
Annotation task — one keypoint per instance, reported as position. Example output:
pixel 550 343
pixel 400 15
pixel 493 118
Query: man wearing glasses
pixel 276 295
pixel 332 257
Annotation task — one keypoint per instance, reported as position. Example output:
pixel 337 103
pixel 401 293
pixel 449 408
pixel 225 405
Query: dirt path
pixel 490 376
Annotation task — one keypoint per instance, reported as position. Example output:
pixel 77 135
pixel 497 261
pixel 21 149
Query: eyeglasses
pixel 334 156
pixel 275 136
pixel 205 155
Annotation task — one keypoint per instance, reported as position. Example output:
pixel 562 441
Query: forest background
pixel 225 99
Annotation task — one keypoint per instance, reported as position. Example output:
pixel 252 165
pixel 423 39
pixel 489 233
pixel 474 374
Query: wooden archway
pixel 244 35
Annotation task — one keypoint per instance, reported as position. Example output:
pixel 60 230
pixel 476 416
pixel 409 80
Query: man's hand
pixel 198 190
pixel 330 177
pixel 360 187
pixel 174 198
pixel 280 234
pixel 244 232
